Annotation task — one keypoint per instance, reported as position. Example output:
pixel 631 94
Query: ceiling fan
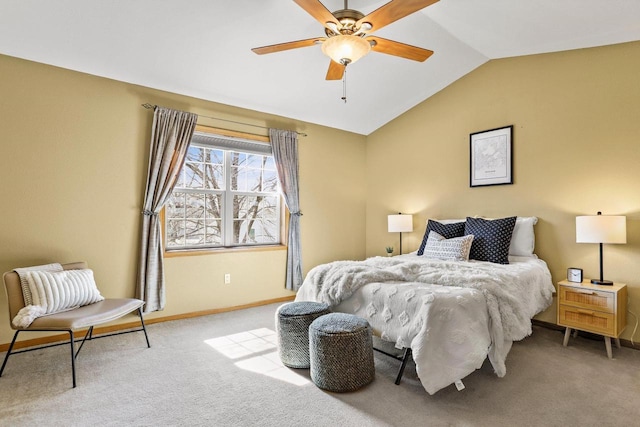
pixel 348 34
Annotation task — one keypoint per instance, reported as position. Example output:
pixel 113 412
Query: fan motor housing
pixel 347 19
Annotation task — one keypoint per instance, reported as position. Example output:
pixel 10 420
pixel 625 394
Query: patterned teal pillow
pixel 491 238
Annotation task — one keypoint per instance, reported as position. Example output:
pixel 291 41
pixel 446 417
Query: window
pixel 226 195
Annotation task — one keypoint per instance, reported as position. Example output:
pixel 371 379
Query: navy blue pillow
pixel 491 238
pixel 448 231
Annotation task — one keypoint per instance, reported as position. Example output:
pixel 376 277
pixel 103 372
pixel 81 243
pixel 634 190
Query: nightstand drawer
pixel 586 319
pixel 588 299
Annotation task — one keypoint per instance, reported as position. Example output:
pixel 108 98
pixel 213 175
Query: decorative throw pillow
pixel 53 292
pixel 454 249
pixel 448 231
pixel 24 283
pixel 523 240
pixel 491 238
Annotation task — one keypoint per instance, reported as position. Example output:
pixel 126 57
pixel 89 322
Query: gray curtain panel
pixel 285 154
pixel 170 137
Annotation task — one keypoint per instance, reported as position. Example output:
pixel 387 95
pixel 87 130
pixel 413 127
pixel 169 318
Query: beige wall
pixel 576 118
pixel 74 158
pixel 73 163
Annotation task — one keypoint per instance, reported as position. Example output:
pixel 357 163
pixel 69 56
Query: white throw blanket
pixel 513 293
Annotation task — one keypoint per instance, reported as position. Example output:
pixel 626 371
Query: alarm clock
pixel 574 274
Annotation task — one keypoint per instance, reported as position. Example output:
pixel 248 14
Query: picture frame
pixel 491 157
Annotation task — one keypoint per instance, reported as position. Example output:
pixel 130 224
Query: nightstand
pixel 593 308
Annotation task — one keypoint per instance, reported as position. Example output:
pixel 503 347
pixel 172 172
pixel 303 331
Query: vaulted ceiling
pixel 202 48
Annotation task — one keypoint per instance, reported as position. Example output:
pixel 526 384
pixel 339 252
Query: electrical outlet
pixel 227 279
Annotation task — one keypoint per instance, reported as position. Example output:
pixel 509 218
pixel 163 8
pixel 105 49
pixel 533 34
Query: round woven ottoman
pixel 341 352
pixel 292 323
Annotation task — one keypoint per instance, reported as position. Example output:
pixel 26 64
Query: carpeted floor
pixel 222 370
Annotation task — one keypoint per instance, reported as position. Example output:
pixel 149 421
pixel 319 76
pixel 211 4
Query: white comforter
pixel 452 314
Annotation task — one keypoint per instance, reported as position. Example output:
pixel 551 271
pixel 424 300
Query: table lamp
pixel 400 223
pixel 601 229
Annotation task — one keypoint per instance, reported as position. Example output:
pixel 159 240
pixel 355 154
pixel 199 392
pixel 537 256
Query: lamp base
pixel 602 282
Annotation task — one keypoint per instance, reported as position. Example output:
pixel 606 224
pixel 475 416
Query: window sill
pixel 212 251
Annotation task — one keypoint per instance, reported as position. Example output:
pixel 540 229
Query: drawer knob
pixel 589 312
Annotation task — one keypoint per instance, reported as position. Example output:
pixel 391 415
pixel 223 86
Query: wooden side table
pixel 593 308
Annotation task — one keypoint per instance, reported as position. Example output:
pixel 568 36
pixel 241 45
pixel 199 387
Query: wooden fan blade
pixel 392 11
pixel 335 71
pixel 399 49
pixel 317 10
pixel 286 46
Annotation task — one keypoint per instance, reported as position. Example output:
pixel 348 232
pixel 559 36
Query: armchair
pixel 69 321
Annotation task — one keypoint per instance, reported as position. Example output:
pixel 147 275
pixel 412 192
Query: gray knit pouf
pixel 292 323
pixel 341 352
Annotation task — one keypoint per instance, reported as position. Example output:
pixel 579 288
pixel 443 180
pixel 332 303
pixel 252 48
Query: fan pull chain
pixel 344 85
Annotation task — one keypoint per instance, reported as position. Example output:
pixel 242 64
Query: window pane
pixel 256 220
pixel 268 208
pixel 270 163
pixel 213 206
pixel 175 233
pixel 254 178
pixel 175 206
pixel 214 169
pixel 270 181
pixel 238 159
pixel 214 156
pixel 195 154
pixel 239 179
pixel 194 232
pixel 239 232
pixel 193 175
pixel 195 206
pixel 254 161
pixel 213 233
pixel 214 177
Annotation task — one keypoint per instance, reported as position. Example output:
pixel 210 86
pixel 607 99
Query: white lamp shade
pixel 345 47
pixel 601 229
pixel 400 223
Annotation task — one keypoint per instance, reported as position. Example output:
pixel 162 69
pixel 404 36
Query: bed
pixel 453 312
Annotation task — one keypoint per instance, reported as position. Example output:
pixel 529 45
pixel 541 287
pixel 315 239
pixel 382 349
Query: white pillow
pixel 53 292
pixel 523 239
pixel 455 249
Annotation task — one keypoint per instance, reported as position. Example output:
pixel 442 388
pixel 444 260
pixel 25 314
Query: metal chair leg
pixel 72 345
pixel 87 336
pixel 13 341
pixel 405 359
pixel 144 329
pixel 73 358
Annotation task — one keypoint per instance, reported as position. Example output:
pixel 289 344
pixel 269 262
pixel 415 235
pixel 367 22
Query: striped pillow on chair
pixel 53 292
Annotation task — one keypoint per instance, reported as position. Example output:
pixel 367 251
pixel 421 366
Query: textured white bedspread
pixel 452 314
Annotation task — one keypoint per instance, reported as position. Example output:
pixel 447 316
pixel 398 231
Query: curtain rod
pixel 151 106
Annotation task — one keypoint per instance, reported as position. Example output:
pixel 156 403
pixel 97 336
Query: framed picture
pixel 491 157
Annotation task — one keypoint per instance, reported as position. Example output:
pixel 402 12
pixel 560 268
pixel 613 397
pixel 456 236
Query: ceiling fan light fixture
pixel 345 49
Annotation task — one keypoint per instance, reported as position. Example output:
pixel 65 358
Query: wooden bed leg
pixel 567 334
